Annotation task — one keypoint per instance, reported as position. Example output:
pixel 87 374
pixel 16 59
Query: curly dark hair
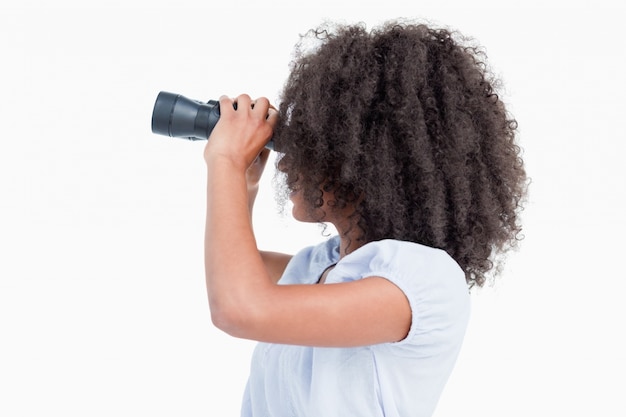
pixel 404 121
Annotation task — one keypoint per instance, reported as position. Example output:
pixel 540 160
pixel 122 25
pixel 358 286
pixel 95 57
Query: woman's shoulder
pixel 432 281
pixel 425 274
pixel 403 257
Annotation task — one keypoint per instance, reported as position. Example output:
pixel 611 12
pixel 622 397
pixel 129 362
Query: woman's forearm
pixel 235 272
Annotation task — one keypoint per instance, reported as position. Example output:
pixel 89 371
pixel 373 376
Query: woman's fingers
pixel 244 127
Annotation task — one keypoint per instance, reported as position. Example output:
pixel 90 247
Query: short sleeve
pixel 431 280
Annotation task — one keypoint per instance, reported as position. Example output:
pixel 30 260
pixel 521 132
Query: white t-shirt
pixel 399 379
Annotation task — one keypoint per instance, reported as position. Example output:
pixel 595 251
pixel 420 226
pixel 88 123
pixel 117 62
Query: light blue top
pixel 398 379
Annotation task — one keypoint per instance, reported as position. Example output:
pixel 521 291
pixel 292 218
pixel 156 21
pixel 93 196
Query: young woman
pixel 397 137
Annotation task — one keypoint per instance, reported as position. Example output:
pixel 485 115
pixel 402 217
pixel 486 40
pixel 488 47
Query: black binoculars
pixel 177 116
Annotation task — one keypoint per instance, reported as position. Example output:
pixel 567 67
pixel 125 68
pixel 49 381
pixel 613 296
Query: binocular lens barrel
pixel 177 116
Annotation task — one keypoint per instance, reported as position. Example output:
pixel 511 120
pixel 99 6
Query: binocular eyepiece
pixel 177 116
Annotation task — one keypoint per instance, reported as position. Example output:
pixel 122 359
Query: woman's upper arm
pixel 363 312
pixel 275 263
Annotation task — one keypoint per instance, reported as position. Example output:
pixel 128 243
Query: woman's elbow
pixel 235 321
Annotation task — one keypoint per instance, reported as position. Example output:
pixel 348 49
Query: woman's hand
pixel 244 128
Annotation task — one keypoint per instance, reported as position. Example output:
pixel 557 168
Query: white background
pixel 102 301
